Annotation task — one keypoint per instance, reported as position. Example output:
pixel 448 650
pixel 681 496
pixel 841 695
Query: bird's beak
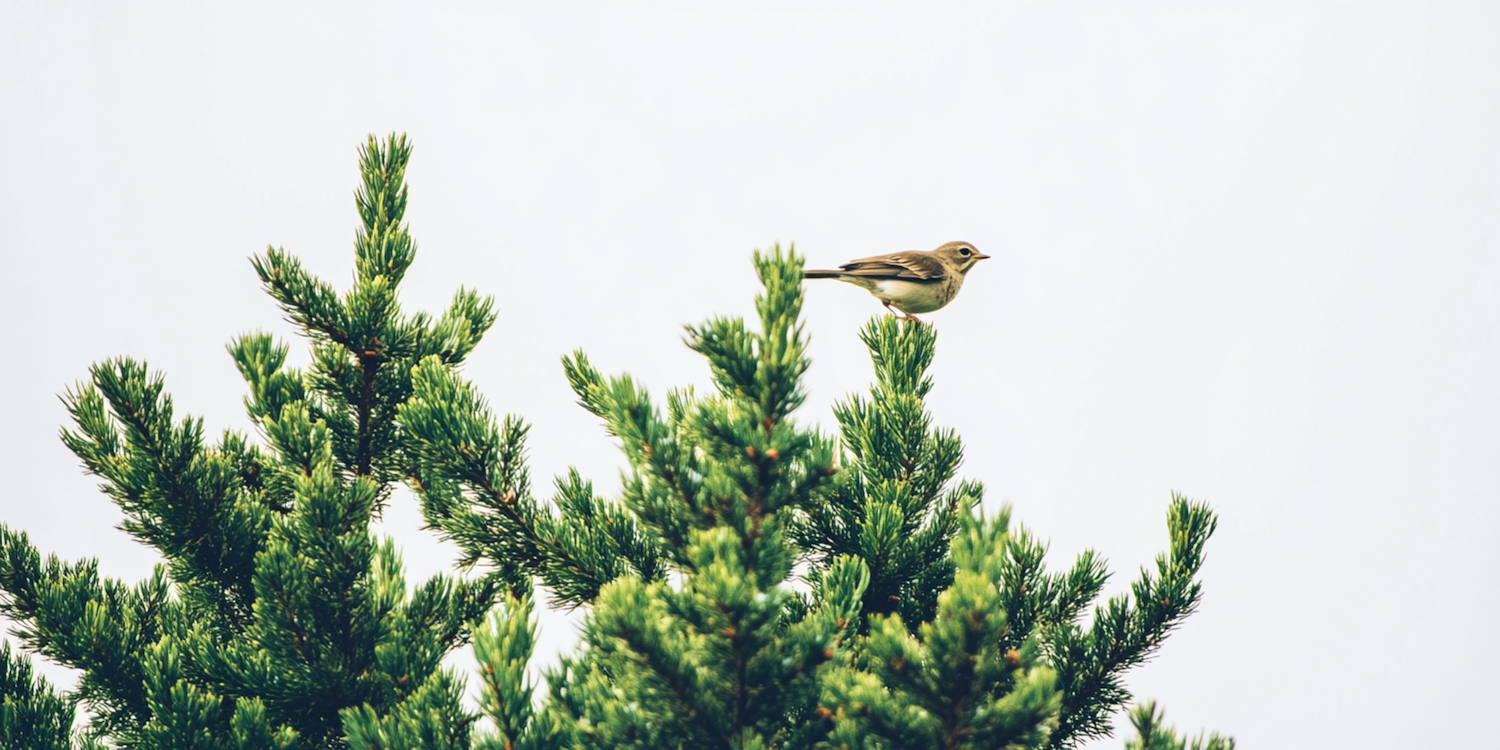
pixel 981 256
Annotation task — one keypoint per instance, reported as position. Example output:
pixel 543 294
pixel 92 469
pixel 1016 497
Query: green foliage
pixel 364 349
pixel 67 613
pixel 470 472
pixel 712 661
pixel 431 718
pixel 895 506
pixel 276 620
pixel 1152 735
pixel 503 646
pixel 1127 630
pixel 32 715
pixel 979 652
pixel 954 684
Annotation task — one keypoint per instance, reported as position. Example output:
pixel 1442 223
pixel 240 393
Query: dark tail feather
pixel 822 274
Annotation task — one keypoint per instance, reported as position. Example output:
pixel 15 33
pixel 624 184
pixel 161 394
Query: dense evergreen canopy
pixel 756 583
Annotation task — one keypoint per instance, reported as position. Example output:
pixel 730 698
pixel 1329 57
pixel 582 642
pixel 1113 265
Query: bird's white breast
pixel 911 296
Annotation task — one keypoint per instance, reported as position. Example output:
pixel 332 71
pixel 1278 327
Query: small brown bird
pixel 913 281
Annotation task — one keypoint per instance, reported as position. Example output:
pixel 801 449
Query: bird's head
pixel 959 255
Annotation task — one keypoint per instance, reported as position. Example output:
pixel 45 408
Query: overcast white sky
pixel 1243 251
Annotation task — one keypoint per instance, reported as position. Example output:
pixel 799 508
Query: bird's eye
pixel 964 251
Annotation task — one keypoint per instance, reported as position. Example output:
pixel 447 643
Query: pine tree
pixel 276 613
pixel 277 620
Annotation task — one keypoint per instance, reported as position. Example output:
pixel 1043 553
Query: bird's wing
pixel 909 265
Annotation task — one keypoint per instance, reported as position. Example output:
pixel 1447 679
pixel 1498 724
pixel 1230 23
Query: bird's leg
pixel 903 316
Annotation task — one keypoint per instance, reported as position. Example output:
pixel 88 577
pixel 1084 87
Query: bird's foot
pixel 904 315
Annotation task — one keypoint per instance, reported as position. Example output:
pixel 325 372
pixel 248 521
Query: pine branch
pixel 186 500
pixel 954 683
pixel 894 506
pixel 66 613
pixel 1151 734
pixel 1125 634
pixel 32 715
pixel 503 646
pixel 669 504
pixel 714 661
pixel 364 347
pixel 470 474
pixel 307 302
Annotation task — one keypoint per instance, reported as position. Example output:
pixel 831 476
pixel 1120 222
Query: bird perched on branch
pixel 913 281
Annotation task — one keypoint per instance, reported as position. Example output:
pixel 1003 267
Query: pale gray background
pixel 1247 252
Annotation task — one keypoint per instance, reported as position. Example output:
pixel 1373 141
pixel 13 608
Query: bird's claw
pixel 904 314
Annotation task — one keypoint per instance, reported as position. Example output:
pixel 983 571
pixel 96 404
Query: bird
pixel 914 281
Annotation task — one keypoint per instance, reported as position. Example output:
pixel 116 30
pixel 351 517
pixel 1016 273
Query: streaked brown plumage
pixel 912 282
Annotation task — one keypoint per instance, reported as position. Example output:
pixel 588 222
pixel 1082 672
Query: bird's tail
pixel 822 274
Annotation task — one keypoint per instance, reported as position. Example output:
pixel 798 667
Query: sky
pixel 1248 252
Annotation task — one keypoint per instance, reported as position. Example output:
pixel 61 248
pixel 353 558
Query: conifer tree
pixel 275 611
pixel 277 620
